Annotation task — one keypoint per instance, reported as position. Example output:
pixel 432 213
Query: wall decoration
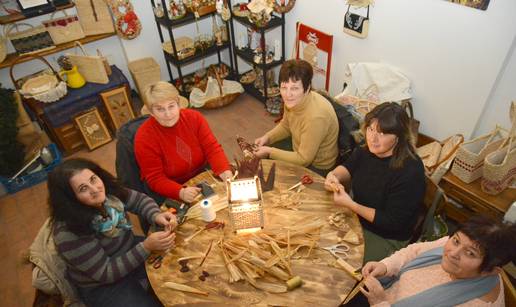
pixel 127 24
pixel 93 129
pixel 315 47
pixel 118 106
pixel 477 4
pixel 355 24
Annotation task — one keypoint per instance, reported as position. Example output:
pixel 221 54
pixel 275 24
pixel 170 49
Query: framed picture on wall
pixel 118 106
pixel 93 129
pixel 477 4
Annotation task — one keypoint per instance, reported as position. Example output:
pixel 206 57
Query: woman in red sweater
pixel 175 144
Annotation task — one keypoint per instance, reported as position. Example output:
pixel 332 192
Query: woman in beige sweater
pixel 308 118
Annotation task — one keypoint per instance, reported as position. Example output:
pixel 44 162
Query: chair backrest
pixel 433 204
pixel 347 124
pixel 509 291
pixel 127 169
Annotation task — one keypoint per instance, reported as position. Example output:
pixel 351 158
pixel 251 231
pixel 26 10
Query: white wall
pixel 496 110
pixel 461 61
pixel 451 53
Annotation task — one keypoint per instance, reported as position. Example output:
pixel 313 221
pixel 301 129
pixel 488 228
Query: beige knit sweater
pixel 314 128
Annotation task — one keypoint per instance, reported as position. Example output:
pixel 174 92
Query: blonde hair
pixel 160 91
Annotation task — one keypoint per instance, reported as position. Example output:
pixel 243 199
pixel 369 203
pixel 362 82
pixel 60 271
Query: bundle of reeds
pixel 264 259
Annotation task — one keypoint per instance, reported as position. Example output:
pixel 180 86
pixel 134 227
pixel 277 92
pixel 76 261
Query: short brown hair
pixel 296 70
pixel 393 119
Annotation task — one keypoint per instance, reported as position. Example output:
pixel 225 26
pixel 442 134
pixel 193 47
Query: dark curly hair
pixel 393 119
pixel 64 206
pixel 296 70
pixel 494 240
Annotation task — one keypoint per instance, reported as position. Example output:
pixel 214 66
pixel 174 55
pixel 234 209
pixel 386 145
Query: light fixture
pixel 245 204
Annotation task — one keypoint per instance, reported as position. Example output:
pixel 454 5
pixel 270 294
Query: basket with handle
pixel 3 48
pixel 470 156
pixel 218 93
pixel 32 40
pixel 64 29
pixel 500 166
pixel 43 87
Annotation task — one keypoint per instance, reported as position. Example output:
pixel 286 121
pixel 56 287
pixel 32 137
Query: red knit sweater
pixel 170 156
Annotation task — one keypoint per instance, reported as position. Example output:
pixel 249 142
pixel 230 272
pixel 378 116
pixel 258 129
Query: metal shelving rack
pixel 172 59
pixel 247 54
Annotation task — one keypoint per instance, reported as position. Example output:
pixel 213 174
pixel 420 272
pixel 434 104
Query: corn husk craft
pixel 264 259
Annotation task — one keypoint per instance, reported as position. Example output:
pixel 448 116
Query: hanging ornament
pixel 219 4
pixel 225 12
pixel 283 7
pixel 127 23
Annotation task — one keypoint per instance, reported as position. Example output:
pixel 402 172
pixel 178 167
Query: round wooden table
pixel 324 282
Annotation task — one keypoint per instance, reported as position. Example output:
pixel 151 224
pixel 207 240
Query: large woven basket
pixel 44 88
pixel 500 166
pixel 470 156
pixel 218 93
pixel 144 71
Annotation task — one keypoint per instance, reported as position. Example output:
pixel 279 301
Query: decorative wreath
pixel 282 7
pixel 127 23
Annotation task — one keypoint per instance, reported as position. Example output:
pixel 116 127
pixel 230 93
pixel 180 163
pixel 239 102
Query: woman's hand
pixel 374 268
pixel 160 241
pixel 341 197
pixel 188 194
pixel 375 293
pixel 226 175
pixel 262 152
pixel 331 182
pixel 261 141
pixel 166 219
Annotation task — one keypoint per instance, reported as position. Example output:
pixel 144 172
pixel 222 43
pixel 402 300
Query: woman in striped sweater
pixel 93 234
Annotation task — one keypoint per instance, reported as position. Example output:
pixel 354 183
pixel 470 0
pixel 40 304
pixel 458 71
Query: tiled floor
pixel 23 213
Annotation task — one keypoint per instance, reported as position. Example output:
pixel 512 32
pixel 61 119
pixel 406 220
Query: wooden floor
pixel 22 214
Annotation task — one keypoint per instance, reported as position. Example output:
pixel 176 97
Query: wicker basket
pixel 184 47
pixel 44 88
pixel 144 71
pixel 500 166
pixel 470 157
pixel 218 93
pixel 202 9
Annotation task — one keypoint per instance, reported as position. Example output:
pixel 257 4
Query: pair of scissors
pixel 338 250
pixel 305 179
pixel 155 260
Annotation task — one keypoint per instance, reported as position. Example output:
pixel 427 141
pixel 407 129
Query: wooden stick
pixel 183 288
pixel 349 269
pixel 354 292
pixel 193 235
pixel 288 248
pixel 206 253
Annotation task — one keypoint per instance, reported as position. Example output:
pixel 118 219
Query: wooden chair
pixel 510 292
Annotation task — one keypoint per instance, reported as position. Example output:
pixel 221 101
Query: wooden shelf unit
pixel 88 39
pixel 19 16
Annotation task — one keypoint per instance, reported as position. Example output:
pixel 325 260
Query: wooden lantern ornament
pixel 245 204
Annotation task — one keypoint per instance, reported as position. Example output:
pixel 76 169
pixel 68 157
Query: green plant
pixel 11 151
